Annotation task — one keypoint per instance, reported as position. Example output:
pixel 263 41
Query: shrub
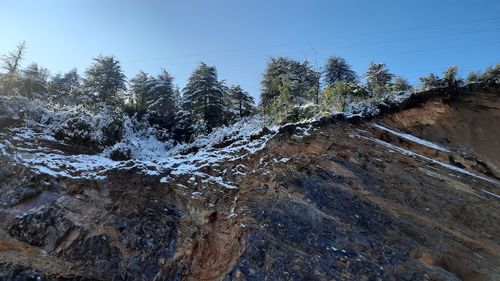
pixel 378 78
pixel 401 85
pixel 431 81
pixel 75 131
pixel 15 109
pixel 278 108
pixel 88 128
pixel 300 113
pixel 451 79
pixel 338 96
pixel 120 153
pixel 491 76
pixel 474 76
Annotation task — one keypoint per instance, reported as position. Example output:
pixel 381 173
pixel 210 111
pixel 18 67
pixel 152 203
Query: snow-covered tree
pixel 431 81
pixel 34 81
pixel 139 90
pixel 297 79
pixel 341 94
pixel 378 79
pixel 474 76
pixel 65 89
pixel 11 64
pixel 451 79
pixel 242 103
pixel 183 127
pixel 491 76
pixel 161 100
pixel 104 78
pixel 204 95
pixel 337 70
pixel 401 84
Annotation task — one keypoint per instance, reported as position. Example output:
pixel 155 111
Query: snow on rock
pixel 33 144
pixel 444 165
pixel 36 149
pixel 371 107
pixel 491 193
pixel 413 138
pixel 282 160
pixel 360 109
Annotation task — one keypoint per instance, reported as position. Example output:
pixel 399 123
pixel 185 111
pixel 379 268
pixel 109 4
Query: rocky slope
pixel 409 195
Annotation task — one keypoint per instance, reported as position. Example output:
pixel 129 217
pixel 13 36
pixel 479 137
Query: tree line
pixel 288 84
pixel 206 102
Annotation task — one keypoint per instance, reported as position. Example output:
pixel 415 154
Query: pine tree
pixel 204 96
pixel 299 79
pixel 139 90
pixel 401 85
pixel 474 76
pixel 378 78
pixel 341 94
pixel 34 80
pixel 451 79
pixel 177 97
pixel 11 63
pixel 242 103
pixel 72 81
pixel 338 70
pixel 65 88
pixel 183 128
pixel 161 100
pixel 431 81
pixel 104 78
pixel 491 76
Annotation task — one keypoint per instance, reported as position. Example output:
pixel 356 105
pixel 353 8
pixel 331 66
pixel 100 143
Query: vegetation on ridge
pixel 291 91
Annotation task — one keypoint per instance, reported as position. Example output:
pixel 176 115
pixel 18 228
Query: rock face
pixel 409 195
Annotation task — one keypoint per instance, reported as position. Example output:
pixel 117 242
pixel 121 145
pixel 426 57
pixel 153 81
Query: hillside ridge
pixel 397 191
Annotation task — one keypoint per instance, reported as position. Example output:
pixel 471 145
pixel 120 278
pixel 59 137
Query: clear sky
pixel 412 37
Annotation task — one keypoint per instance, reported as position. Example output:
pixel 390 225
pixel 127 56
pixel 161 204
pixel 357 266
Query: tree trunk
pixel 241 112
pixel 205 113
pixel 20 50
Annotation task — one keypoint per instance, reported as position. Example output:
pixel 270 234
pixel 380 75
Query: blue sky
pixel 412 37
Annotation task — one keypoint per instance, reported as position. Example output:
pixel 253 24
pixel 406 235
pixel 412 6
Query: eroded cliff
pixel 411 194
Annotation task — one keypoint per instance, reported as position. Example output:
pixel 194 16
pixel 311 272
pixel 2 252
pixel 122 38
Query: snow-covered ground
pixel 34 146
pixel 149 155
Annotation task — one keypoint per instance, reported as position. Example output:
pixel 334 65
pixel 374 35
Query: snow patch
pixel 490 193
pixel 444 165
pixel 149 155
pixel 413 138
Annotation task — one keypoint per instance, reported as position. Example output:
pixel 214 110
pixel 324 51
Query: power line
pixel 400 53
pixel 420 38
pixel 344 37
pixel 437 49
pixel 384 54
pixel 398 41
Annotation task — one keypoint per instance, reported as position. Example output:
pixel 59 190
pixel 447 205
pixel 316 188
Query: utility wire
pixel 392 41
pixel 341 37
pixel 397 53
